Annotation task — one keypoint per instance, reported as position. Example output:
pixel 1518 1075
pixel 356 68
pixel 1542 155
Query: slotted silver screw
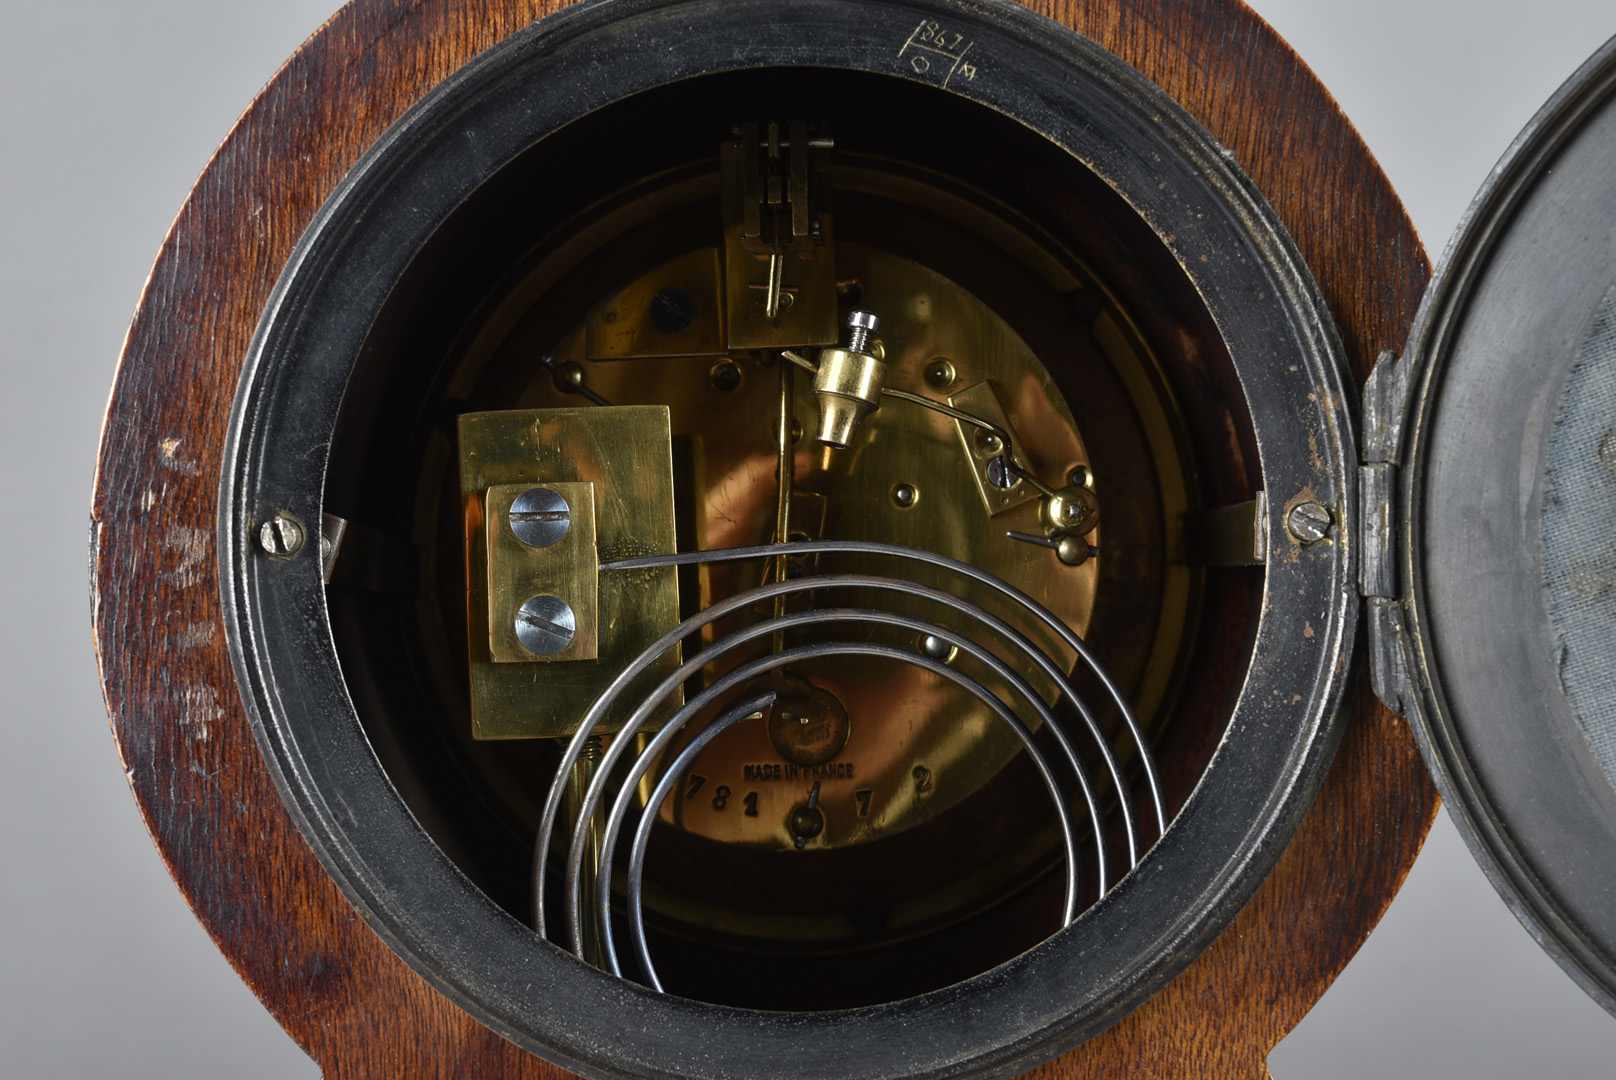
pixel 281 536
pixel 1000 475
pixel 540 517
pixel 1308 522
pixel 545 625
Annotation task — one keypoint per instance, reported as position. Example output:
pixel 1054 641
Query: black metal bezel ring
pixel 1254 792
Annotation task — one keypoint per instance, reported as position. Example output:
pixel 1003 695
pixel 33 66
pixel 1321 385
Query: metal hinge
pixel 1386 397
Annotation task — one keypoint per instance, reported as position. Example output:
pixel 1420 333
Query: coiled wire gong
pixel 1026 713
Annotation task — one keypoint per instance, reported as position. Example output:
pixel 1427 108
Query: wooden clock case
pixel 197 771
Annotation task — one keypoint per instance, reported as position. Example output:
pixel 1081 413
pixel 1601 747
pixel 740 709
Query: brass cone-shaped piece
pixel 848 386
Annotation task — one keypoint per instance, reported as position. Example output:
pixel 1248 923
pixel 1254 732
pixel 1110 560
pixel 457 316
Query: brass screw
pixel 904 496
pixel 940 374
pixel 1072 509
pixel 726 375
pixel 1074 550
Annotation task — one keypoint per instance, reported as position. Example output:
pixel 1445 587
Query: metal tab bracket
pixel 779 271
pixel 1235 535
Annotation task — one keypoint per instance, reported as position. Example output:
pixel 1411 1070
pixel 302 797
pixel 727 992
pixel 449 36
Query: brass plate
pixel 810 282
pixel 568 569
pixel 980 400
pixel 625 453
pixel 676 310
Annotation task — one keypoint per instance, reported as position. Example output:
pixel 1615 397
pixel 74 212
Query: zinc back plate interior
pixel 1509 507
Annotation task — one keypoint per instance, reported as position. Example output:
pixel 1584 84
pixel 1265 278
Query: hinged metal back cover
pixel 1495 628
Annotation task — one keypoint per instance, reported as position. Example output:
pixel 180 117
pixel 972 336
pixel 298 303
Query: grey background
pixel 109 110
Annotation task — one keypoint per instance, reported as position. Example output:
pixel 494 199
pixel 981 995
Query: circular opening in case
pixel 912 883
pixel 539 335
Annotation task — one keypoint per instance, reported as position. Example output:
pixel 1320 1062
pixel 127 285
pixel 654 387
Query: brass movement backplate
pixel 614 467
pixel 907 480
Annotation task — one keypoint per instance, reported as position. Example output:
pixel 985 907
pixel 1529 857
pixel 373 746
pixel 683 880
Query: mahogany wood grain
pixel 170 691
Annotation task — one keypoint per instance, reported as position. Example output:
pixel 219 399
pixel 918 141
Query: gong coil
pixel 749 707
